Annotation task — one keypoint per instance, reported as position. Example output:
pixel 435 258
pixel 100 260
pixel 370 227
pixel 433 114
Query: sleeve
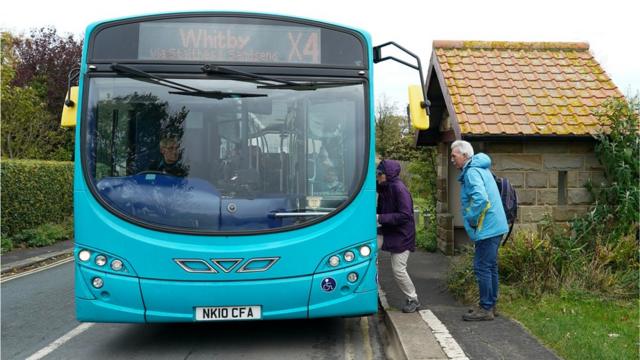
pixel 478 198
pixel 403 211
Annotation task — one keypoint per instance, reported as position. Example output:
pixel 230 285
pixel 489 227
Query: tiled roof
pixel 518 88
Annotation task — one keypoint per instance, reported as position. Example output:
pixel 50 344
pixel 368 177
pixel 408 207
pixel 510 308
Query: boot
pixel 478 314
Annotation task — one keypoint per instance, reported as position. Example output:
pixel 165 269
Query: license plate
pixel 228 313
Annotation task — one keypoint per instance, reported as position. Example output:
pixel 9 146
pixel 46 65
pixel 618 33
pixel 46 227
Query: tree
pixel 44 61
pixel 24 115
pixel 388 128
pixel 35 69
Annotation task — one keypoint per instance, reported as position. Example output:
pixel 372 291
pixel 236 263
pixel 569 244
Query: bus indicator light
pixel 349 256
pixel 101 260
pixel 352 277
pixel 116 265
pixel 334 261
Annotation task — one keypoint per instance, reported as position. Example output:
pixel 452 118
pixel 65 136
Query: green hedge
pixel 35 192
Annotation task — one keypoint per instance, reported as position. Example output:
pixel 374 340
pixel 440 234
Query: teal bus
pixel 224 169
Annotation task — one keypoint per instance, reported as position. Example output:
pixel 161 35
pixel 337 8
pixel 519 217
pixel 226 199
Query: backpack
pixel 509 202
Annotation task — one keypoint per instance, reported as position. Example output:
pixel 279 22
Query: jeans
pixel 485 266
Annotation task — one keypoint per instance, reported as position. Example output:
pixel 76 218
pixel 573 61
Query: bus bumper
pixel 133 300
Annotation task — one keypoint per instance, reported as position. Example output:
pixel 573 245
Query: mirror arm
pixel 73 75
pixel 377 57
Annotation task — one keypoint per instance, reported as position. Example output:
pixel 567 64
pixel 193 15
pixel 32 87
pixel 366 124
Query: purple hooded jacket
pixel 395 210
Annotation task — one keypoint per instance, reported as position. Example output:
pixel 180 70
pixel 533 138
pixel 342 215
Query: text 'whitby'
pixel 212 40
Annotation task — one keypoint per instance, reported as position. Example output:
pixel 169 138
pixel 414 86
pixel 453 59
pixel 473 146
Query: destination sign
pixel 251 43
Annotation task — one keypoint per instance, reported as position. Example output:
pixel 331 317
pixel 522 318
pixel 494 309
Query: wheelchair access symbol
pixel 328 284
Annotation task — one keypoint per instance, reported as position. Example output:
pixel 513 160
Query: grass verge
pixel 578 326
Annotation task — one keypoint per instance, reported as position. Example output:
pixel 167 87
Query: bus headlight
pixel 101 260
pixel 84 255
pixel 116 265
pixel 97 282
pixel 349 256
pixel 334 261
pixel 365 250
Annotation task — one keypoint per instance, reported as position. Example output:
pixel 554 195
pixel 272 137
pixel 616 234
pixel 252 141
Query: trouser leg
pixel 399 268
pixel 494 271
pixel 485 266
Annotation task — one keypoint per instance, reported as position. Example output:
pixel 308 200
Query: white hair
pixel 464 147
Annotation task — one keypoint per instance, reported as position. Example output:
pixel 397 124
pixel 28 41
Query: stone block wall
pixel 549 177
pixel 444 218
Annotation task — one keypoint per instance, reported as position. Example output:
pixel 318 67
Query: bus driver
pixel 170 162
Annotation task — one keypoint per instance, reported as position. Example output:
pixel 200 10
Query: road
pixel 38 321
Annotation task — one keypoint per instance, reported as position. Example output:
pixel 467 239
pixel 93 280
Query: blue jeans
pixel 485 266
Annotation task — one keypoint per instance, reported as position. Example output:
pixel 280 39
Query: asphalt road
pixel 38 321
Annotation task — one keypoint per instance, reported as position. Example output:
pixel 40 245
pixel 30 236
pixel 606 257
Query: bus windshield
pixel 223 155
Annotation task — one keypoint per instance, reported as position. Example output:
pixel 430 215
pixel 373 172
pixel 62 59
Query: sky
pixel 610 27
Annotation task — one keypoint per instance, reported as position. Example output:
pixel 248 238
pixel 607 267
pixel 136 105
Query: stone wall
pixel 443 217
pixel 549 177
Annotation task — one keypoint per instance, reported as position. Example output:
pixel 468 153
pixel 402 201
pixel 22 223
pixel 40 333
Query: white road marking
pixel 42 268
pixel 447 342
pixel 60 341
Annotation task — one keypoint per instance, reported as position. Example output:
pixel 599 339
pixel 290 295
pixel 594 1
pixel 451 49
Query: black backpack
pixel 509 202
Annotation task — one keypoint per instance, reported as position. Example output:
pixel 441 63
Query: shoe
pixel 478 314
pixel 411 306
pixel 494 309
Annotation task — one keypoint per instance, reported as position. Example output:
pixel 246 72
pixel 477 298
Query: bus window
pixel 329 145
pixel 300 144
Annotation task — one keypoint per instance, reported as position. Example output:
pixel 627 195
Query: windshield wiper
pixel 280 83
pixel 182 88
pixel 214 69
pixel 218 95
pixel 131 71
pixel 311 85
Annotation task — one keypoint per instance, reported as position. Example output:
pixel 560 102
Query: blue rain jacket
pixel 482 209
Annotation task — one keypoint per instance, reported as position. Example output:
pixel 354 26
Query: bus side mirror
pixel 417 108
pixel 70 108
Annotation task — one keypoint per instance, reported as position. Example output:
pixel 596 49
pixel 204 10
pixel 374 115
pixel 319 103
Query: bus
pixel 224 169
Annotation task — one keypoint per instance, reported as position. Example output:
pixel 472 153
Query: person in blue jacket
pixel 484 220
pixel 397 227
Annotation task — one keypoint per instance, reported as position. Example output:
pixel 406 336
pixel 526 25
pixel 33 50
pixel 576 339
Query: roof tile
pixel 515 88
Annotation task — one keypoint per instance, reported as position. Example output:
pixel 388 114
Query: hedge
pixel 34 192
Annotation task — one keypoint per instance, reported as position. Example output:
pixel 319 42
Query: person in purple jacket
pixel 397 227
